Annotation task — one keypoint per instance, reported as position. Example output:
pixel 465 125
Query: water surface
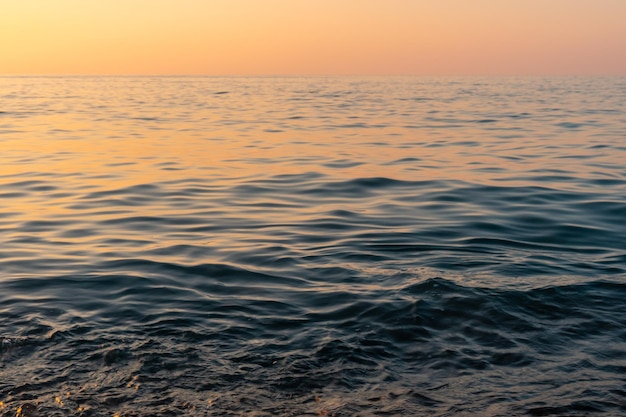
pixel 312 246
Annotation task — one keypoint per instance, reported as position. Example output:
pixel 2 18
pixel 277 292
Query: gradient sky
pixel 241 37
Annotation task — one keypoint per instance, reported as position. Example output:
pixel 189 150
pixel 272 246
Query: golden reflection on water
pixel 133 132
pixel 174 134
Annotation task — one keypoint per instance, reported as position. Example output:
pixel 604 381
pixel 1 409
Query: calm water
pixel 312 246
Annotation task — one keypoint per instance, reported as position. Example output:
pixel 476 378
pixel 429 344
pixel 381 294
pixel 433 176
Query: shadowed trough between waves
pixel 312 246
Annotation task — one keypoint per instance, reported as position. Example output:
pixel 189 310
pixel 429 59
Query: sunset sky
pixel 266 37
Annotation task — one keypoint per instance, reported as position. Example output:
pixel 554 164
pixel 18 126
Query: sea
pixel 312 246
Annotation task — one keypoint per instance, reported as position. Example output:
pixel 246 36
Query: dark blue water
pixel 312 246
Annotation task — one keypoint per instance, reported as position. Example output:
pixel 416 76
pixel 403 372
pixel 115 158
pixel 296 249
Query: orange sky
pixel 241 37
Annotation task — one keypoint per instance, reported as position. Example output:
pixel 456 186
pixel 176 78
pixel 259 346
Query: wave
pixel 214 330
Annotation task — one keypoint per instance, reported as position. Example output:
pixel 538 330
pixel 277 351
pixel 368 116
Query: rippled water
pixel 312 246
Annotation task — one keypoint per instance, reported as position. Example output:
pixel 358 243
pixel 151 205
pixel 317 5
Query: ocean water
pixel 322 246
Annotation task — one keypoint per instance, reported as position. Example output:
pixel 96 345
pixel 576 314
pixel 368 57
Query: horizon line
pixel 294 75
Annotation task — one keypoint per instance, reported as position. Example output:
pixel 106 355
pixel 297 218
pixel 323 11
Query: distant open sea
pixel 312 246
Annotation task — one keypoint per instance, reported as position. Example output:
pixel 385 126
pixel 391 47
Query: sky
pixel 311 37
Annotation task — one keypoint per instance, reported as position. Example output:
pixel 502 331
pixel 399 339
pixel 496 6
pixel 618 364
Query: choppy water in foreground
pixel 312 246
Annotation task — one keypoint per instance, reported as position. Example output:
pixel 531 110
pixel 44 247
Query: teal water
pixel 312 246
